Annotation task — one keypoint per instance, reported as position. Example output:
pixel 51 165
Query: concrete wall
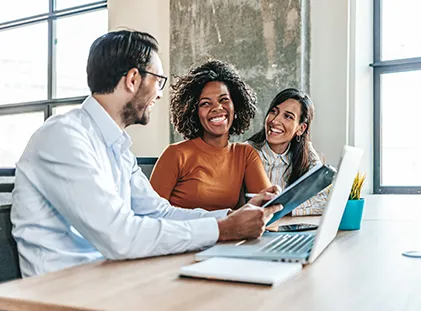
pixel 266 40
pixel 152 17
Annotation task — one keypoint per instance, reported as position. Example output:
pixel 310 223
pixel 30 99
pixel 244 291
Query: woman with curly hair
pixel 208 105
pixel 284 145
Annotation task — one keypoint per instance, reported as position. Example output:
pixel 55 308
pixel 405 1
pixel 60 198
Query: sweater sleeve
pixel 166 172
pixel 255 178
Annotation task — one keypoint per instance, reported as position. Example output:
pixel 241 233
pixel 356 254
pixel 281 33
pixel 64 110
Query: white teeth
pixel 276 130
pixel 218 119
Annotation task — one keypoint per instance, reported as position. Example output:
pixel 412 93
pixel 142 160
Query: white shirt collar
pixel 271 155
pixel 109 129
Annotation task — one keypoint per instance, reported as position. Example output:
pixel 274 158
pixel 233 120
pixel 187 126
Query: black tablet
pixel 307 186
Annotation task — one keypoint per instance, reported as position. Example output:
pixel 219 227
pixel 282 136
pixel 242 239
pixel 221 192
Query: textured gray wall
pixel 267 41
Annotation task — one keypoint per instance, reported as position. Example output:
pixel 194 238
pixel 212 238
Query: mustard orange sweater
pixel 194 174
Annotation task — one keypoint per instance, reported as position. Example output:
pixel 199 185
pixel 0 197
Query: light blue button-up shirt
pixel 79 196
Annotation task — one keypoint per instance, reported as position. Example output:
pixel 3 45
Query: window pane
pixel 19 128
pixel 64 4
pixel 64 109
pixel 23 63
pixel 11 10
pixel 400 140
pixel 73 50
pixel 400 29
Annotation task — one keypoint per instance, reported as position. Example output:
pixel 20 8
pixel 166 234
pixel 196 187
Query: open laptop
pixel 303 247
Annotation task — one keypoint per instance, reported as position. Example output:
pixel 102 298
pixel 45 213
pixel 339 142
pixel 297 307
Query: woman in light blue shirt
pixel 284 144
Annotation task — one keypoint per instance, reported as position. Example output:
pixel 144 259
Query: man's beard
pixel 130 112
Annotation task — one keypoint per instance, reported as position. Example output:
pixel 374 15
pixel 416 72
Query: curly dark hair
pixel 186 90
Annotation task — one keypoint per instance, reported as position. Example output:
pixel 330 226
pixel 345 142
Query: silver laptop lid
pixel 338 197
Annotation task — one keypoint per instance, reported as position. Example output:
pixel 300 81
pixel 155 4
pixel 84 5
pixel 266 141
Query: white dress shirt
pixel 79 196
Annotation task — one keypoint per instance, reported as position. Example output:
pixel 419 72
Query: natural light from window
pixel 400 159
pixel 24 66
pixel 74 37
pixel 18 128
pixel 24 63
pixel 11 10
pixel 64 4
pixel 401 22
pixel 401 143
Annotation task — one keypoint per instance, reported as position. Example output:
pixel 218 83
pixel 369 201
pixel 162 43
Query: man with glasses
pixel 79 195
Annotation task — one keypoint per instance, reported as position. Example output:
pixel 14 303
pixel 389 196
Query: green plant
pixel 356 187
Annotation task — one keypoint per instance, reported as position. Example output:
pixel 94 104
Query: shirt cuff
pixel 205 231
pixel 218 214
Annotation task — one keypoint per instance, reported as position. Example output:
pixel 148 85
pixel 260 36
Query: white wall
pixel 329 75
pixel 153 17
pixel 341 79
pixel 361 84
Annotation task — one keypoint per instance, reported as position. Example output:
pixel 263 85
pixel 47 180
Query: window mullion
pixel 47 111
pixel 377 132
pixel 377 30
pixel 51 55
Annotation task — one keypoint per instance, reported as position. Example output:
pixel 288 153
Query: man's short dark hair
pixel 115 53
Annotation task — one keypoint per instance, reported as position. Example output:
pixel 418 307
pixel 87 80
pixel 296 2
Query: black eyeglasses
pixel 161 79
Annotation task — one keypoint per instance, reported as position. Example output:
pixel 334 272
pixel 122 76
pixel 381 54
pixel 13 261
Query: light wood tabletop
pixel 360 270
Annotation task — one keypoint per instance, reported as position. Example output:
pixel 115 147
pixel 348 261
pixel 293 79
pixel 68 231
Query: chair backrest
pixel 9 262
pixel 7 179
pixel 147 165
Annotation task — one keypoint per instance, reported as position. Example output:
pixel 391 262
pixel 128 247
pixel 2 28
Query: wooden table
pixel 360 270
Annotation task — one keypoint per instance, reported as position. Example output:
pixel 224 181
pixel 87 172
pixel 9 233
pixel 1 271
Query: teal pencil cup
pixel 353 214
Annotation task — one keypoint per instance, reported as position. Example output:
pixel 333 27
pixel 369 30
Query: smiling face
pixel 138 109
pixel 282 124
pixel 215 110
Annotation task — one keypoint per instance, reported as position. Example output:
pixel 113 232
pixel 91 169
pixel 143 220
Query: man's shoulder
pixel 76 116
pixel 60 131
pixel 74 121
pixel 54 140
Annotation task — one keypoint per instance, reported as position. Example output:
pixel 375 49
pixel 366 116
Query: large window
pixel 397 105
pixel 43 54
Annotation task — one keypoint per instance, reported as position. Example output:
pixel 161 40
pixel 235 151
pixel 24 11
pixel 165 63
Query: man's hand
pixel 271 192
pixel 249 221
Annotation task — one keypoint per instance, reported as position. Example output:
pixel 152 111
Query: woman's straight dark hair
pixel 300 156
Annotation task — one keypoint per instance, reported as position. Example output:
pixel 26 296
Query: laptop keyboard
pixel 290 243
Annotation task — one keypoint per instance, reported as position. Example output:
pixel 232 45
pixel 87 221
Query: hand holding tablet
pixel 307 186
